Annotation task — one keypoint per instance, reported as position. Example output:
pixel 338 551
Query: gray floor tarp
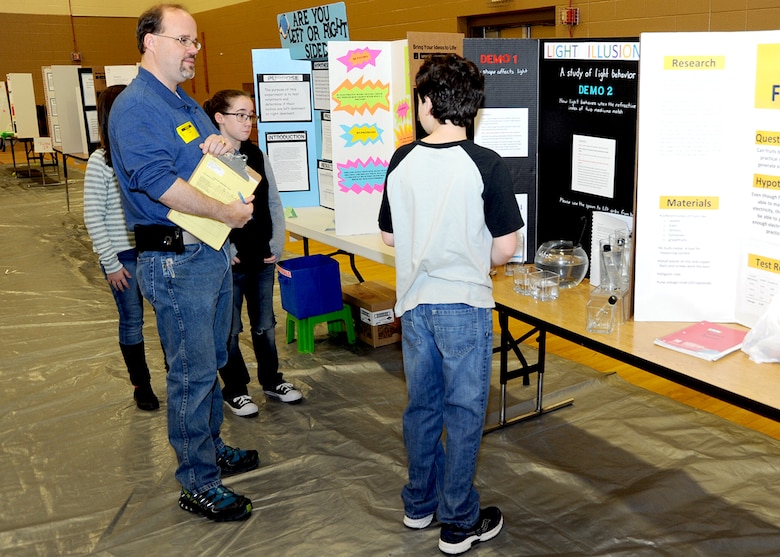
pixel 622 472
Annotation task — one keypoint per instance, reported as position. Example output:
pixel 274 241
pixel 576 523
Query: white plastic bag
pixel 762 343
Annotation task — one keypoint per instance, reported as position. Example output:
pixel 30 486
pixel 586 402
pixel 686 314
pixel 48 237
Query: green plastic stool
pixel 338 321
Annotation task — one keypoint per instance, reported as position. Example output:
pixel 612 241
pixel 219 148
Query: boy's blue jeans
pixel 447 352
pixel 192 296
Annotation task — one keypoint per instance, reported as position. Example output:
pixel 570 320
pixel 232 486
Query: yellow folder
pixel 216 178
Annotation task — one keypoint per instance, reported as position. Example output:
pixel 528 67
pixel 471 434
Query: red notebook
pixel 705 340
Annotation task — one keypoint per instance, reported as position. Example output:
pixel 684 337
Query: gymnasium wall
pixel 231 30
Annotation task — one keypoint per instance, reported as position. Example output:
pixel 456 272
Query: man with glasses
pixel 159 135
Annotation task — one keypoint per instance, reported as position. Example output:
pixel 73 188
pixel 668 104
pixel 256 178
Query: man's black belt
pixel 158 237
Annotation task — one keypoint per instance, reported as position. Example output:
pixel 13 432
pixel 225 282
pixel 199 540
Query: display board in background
pixel 423 45
pixel 87 103
pixel 76 111
pixel 120 75
pixel 6 124
pixel 305 35
pixel 708 203
pixel 21 97
pixel 587 135
pixel 285 125
pixel 508 121
pixel 307 32
pixel 52 120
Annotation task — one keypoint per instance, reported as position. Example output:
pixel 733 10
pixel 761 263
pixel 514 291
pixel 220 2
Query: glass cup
pixel 522 279
pixel 511 266
pixel 544 286
pixel 621 243
pixel 601 310
pixel 611 264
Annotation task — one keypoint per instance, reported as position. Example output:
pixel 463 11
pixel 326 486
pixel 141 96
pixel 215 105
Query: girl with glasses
pixel 257 247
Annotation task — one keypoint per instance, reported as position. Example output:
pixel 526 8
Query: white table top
pixel 318 223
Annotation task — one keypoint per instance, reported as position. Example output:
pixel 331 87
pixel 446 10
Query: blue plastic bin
pixel 310 285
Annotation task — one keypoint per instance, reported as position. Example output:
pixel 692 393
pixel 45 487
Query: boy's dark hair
pixel 221 102
pixel 151 22
pixel 104 102
pixel 455 86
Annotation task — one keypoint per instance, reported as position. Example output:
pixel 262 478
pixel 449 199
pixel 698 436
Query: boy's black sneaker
pixel 454 541
pixel 236 461
pixel 219 504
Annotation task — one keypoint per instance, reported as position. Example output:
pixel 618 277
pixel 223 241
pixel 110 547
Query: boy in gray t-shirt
pixel 449 209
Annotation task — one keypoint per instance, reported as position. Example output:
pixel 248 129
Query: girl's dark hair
pixel 221 102
pixel 104 102
pixel 455 86
pixel 151 22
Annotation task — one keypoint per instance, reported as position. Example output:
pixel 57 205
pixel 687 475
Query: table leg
pixel 13 155
pixel 354 267
pixel 351 256
pixel 507 343
pixel 65 174
pixel 351 262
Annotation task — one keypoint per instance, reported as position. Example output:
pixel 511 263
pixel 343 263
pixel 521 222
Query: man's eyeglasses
pixel 186 42
pixel 242 116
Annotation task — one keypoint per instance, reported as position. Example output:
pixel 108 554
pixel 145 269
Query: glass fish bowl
pixel 564 257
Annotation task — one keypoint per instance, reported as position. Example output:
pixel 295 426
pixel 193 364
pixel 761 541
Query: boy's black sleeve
pixel 502 215
pixel 385 217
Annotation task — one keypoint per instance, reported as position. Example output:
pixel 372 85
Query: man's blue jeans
pixel 447 352
pixel 191 293
pixel 129 303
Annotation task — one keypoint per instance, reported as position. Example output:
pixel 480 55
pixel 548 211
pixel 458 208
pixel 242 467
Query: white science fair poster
pixel 708 177
pixel 370 116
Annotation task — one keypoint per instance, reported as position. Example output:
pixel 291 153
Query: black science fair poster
pixel 509 117
pixel 587 134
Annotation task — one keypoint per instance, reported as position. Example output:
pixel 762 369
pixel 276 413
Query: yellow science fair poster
pixel 708 176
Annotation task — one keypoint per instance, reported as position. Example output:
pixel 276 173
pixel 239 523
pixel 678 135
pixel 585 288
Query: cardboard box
pixel 372 311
